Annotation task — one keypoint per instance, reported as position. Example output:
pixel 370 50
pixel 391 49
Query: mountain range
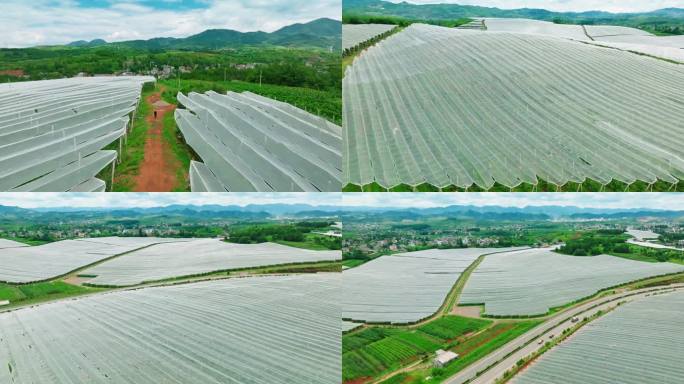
pixel 320 33
pixel 552 211
pixel 669 20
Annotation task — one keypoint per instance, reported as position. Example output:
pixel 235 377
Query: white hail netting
pixel 533 281
pixel 460 107
pixel 257 330
pixel 42 262
pixel 52 132
pixel 405 287
pixel 639 342
pixel 251 143
pixel 355 34
pixel 208 255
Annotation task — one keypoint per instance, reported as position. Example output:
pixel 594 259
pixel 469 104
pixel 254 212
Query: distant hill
pixel 319 33
pixel 665 21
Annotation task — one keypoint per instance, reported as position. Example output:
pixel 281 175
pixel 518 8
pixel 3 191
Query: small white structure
pixel 4 302
pixel 443 357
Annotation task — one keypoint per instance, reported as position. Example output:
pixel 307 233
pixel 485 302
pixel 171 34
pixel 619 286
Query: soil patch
pixel 158 168
pixel 467 311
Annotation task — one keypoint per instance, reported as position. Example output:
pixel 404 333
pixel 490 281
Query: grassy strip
pixel 351 263
pixel 39 292
pixel 455 294
pixel 303 267
pixel 172 135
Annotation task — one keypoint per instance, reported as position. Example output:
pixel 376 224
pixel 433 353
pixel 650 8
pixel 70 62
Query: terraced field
pixel 405 287
pixel 42 262
pixel 251 330
pixel 52 132
pixel 196 257
pixel 509 108
pixel 252 143
pixel 532 282
pixel 640 342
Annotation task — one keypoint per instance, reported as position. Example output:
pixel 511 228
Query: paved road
pixel 498 361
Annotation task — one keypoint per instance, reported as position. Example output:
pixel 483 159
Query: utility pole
pixel 260 72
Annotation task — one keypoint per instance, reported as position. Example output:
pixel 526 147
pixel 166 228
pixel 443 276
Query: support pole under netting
pixel 111 186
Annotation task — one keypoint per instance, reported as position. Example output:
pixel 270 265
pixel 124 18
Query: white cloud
pixel 567 5
pixel 44 22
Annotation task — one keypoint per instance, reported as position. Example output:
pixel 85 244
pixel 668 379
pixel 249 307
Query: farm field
pixel 54 132
pixel 250 330
pixel 641 235
pixel 252 143
pixel 43 262
pixel 354 35
pixel 539 115
pixel 405 287
pixel 533 282
pixel 196 257
pixel 636 343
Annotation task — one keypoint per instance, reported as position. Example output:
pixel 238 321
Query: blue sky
pixel 48 22
pixel 567 5
pixel 674 201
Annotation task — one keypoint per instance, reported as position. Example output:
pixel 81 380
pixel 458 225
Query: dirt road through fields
pixel 158 168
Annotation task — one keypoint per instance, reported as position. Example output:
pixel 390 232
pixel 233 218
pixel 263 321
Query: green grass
pixel 375 351
pixel 351 263
pixel 450 327
pixel 324 103
pixel 37 292
pixel 181 151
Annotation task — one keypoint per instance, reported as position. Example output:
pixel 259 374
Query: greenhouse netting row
pixel 52 132
pixel 458 107
pixel 251 143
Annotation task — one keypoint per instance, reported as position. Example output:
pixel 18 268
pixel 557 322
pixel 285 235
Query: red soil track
pixel 158 168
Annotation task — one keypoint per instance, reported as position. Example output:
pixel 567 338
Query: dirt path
pixel 158 168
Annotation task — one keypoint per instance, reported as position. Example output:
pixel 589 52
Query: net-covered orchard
pixel 639 342
pixel 467 108
pixel 53 132
pixel 249 142
pixel 355 35
pixel 280 329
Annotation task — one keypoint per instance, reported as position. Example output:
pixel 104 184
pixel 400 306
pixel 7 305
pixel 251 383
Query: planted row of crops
pixel 531 282
pixel 639 342
pixel 456 107
pixel 405 287
pixel 252 331
pixel 197 257
pixel 251 143
pixel 372 351
pixel 52 132
pixel 354 35
pixel 42 262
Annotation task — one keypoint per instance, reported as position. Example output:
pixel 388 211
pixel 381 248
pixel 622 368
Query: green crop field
pixel 374 351
pixel 36 292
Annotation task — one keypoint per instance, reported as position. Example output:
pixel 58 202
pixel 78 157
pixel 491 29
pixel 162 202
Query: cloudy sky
pixel 674 201
pixel 567 5
pixel 44 22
